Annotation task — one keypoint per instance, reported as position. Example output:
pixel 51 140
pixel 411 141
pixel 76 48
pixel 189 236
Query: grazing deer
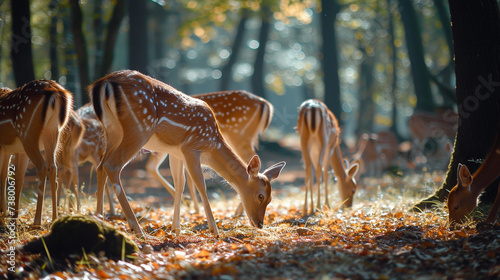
pixel 242 117
pixel 462 199
pixel 31 118
pixel 138 111
pixel 423 126
pixel 320 145
pixel 376 152
pixel 67 156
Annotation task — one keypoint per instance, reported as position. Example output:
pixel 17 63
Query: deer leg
pixel 113 164
pixel 20 163
pixel 193 166
pixel 73 181
pixel 307 166
pixel 41 169
pixel 153 167
pixel 4 168
pixel 194 197
pixel 177 169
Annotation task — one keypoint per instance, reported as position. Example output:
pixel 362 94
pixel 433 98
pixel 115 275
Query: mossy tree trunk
pixel 475 26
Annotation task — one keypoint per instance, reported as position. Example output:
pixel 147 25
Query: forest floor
pixel 379 238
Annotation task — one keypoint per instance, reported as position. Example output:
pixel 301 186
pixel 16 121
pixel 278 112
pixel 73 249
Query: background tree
pixel 20 53
pixel 476 36
pixel 258 87
pixel 226 70
pixel 111 34
pixel 419 71
pixel 138 47
pixel 330 60
pixel 81 49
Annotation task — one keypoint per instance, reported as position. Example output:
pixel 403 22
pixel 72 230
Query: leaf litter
pixel 379 238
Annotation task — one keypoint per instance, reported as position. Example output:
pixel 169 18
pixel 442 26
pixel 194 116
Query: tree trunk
pixel 419 71
pixel 69 69
pixel 111 34
pixel 53 35
pixel 394 56
pixel 447 73
pixel 330 61
pixel 475 26
pixel 366 104
pixel 138 36
pixel 97 25
pixel 81 51
pixel 20 53
pixel 258 86
pixel 235 50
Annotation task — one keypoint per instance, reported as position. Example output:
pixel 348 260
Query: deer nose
pixel 260 224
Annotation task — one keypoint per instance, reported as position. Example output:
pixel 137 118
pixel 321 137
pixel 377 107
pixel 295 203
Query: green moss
pixel 72 235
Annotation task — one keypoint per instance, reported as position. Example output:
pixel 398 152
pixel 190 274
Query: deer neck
pixel 337 163
pixel 487 172
pixel 227 164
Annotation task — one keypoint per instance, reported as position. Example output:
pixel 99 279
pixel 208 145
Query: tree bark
pixel 475 26
pixel 53 35
pixel 394 56
pixel 81 51
pixel 419 71
pixel 138 36
pixel 258 86
pixel 20 53
pixel 97 25
pixel 330 61
pixel 235 50
pixel 366 104
pixel 111 34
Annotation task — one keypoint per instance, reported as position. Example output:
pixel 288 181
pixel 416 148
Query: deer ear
pixel 274 171
pixel 353 169
pixel 464 176
pixel 253 167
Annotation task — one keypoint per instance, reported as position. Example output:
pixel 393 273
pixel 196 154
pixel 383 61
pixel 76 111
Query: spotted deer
pixel 138 111
pixel 67 156
pixel 31 118
pixel 376 152
pixel 424 126
pixel 320 145
pixel 242 117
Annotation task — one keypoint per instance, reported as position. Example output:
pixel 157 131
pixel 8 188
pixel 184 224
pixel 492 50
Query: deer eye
pixel 261 197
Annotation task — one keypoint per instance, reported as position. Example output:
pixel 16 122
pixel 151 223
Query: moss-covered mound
pixel 74 235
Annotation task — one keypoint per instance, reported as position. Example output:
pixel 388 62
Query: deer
pixel 31 118
pixel 319 134
pixel 92 146
pixel 440 126
pixel 462 199
pixel 138 111
pixel 242 117
pixel 376 152
pixel 67 156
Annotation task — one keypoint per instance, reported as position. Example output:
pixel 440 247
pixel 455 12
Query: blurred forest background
pixel 373 62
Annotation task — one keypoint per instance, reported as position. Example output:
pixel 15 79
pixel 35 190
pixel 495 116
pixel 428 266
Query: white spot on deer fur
pixel 136 93
pixel 172 122
pixel 140 101
pixel 145 111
